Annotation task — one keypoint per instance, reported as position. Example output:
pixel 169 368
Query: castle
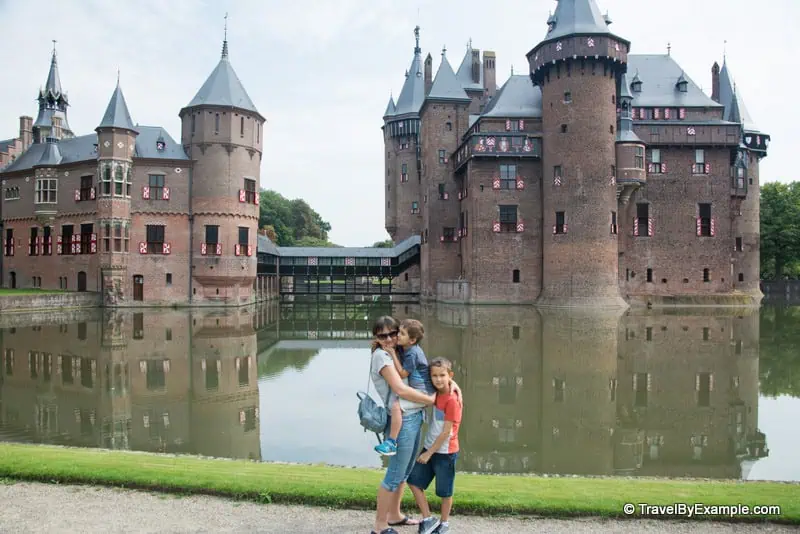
pixel 599 178
pixel 129 212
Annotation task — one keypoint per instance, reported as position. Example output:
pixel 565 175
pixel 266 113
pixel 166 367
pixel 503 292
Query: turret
pixel 577 66
pixel 629 176
pixel 53 103
pixel 222 132
pixel 428 74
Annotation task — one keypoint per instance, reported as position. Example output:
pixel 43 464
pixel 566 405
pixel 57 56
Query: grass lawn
pixel 29 291
pixel 356 488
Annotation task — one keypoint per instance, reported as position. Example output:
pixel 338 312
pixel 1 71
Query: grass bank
pixel 7 292
pixel 356 488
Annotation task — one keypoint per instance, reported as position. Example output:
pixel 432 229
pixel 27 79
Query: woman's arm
pixel 389 373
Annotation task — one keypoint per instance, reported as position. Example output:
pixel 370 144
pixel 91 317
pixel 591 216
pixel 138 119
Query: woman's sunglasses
pixel 387 336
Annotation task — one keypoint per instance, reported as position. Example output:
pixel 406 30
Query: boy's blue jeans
pixel 401 464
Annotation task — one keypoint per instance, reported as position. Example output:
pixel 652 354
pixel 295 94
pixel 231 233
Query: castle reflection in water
pixel 644 393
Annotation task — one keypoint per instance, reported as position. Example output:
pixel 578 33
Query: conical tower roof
pixel 117 114
pixel 412 95
pixel 53 84
pixel 390 108
pixel 445 85
pixel 580 17
pixel 223 87
pixel 728 95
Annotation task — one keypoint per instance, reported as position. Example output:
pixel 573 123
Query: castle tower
pixel 222 133
pixel 628 146
pixel 745 206
pixel 445 117
pixel 116 145
pixel 577 66
pixel 53 103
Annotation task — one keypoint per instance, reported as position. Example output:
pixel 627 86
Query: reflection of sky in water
pixel 775 418
pixel 309 416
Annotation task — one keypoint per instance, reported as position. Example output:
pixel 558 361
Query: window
pixel 567 97
pixel 508 218
pixel 82 331
pixel 404 172
pixel 46 191
pixel 641 223
pixel 169 279
pixel 638 158
pixel 156 182
pixel 706 275
pixel 561 223
pixel 699 161
pixel 415 207
pixel 47 248
pixel 216 123
pixel 508 176
pixel 741 277
pixel 449 233
pixel 449 126
pixel 121 236
pixel 105 180
pixel 155 239
pixel 559 385
pixel 563 128
pixel 106 236
pixel 193 123
pixel 138 326
pixel 515 331
pixel 558 174
pixel 33 245
pixel 739 244
pixel 442 156
pixel 250 190
pixel 119 180
pixel 740 175
pixel 611 129
pixel 11 193
pixel 515 276
pixel 650 275
pixel 241 127
pixel 8 243
pixel 86 238
pixel 66 239
pixel 244 236
pixel 442 193
pixel 212 235
pixel 613 222
pixel 641 385
pixel 128 182
pixel 655 159
pixel 704 383
pixel 86 188
pixel 704 222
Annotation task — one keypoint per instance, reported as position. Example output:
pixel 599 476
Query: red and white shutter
pixel 167 248
pixel 165 194
pixel 441 239
pixel 520 226
pixel 92 193
pixel 50 245
pixel 636 226
pixel 650 227
pixel 30 246
pixel 146 192
pixel 495 226
pixel 565 228
pixel 666 113
pixel 59 245
pixel 77 195
pixel 203 249
pixel 508 125
pixel 40 245
pixel 520 183
pixel 249 250
pixel 713 227
pixel 699 226
pixel 650 167
pixel 142 247
pixel 242 195
pixel 219 249
pixel 708 168
pixel 74 245
pixel 522 124
pixel 663 168
pixel 656 113
pixel 93 244
pixel 445 196
pixel 495 183
pixel 682 113
pixel 237 249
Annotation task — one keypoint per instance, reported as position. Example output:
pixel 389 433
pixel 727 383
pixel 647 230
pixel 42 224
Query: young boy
pixel 412 365
pixel 440 451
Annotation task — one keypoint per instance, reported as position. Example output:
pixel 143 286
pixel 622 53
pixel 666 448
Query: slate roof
pixel 51 156
pixel 464 72
pixel 223 87
pixel 625 133
pixel 412 95
pixel 517 98
pixel 83 148
pixel 341 252
pixel 577 17
pixel 727 93
pixel 659 74
pixel 117 115
pixel 390 108
pixel 265 244
pixel 53 84
pixel 445 85
pixel 5 143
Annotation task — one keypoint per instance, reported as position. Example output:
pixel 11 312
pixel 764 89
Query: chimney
pixel 715 82
pixel 26 131
pixel 428 74
pixel 489 74
pixel 476 66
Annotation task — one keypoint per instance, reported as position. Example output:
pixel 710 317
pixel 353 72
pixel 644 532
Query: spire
pixel 53 85
pixel 413 92
pixel 117 115
pixel 625 89
pixel 390 108
pixel 728 95
pixel 53 102
pixel 625 133
pixel 225 40
pixel 223 87
pixel 577 16
pixel 446 86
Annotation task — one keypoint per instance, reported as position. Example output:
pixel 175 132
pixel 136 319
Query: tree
pixel 386 243
pixel 779 361
pixel 269 230
pixel 780 228
pixel 309 241
pixel 292 221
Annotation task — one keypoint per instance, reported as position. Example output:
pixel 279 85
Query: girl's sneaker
pixel 387 448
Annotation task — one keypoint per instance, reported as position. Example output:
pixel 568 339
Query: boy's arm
pixel 398 366
pixel 440 439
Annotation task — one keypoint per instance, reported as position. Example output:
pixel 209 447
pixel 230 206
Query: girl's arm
pixel 389 373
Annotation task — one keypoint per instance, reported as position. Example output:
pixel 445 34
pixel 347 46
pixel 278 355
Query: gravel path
pixel 30 507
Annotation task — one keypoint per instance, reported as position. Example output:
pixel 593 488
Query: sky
pixel 321 71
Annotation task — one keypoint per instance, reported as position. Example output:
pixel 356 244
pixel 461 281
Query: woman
pixel 385 377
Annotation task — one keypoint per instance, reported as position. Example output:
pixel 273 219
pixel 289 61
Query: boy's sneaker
pixel 443 528
pixel 387 448
pixel 428 525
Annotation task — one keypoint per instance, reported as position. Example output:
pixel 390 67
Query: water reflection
pixel 645 393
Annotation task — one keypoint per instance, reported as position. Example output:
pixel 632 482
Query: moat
pixel 707 392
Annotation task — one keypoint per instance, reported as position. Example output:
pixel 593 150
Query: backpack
pixel 371 416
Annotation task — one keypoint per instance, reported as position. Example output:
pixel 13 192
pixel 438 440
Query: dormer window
pixel 636 85
pixel 682 84
pixel 161 145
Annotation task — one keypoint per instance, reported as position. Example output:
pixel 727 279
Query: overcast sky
pixel 321 71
